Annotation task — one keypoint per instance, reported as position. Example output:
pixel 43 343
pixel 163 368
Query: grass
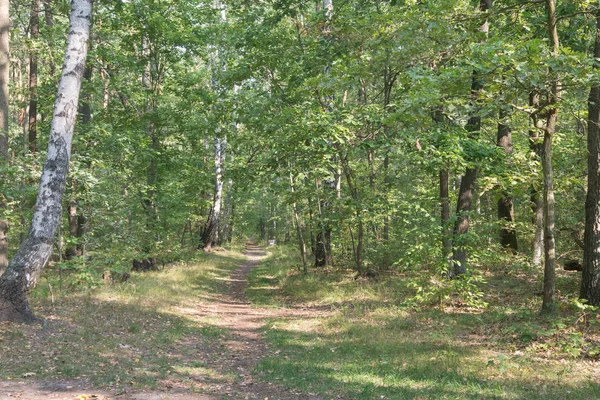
pixel 143 333
pixel 374 344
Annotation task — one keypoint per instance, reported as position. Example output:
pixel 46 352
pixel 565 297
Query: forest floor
pixel 252 326
pixel 221 367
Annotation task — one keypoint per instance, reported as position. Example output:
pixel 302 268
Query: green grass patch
pixel 374 344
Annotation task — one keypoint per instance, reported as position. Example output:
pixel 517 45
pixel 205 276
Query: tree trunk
pixel 461 226
pixel 4 158
pixel 301 243
pixel 506 212
pixel 467 185
pixel 590 278
pixel 72 212
pixel 27 265
pixel 323 257
pixel 212 224
pixel 48 14
pixel 151 82
pixel 445 214
pixel 358 210
pixel 322 250
pixel 33 77
pixel 549 298
pixel 537 201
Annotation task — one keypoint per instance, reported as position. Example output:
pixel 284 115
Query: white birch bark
pixel 28 263
pixel 211 229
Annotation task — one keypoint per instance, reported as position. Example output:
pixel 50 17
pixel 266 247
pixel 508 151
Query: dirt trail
pixel 245 346
pixel 235 357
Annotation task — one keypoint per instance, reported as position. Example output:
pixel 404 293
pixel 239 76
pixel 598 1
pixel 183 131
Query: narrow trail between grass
pixel 245 346
pixel 230 360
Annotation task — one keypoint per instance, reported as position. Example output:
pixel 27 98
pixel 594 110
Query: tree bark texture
pixel 549 297
pixel 467 186
pixel 27 265
pixel 590 278
pixel 506 212
pixel 34 23
pixel 4 158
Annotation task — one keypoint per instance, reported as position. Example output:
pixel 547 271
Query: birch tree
pixel 211 228
pixel 27 265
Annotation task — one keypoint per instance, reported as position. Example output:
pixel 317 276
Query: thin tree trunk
pixel 537 201
pixel 301 243
pixel 151 82
pixel 358 210
pixel 467 185
pixel 506 212
pixel 590 278
pixel 4 151
pixel 322 250
pixel 323 256
pixel 386 177
pixel 445 214
pixel 33 77
pixel 27 265
pixel 50 24
pixel 549 298
pixel 212 224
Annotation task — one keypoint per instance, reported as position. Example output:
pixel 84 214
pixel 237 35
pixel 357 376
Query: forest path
pixel 229 360
pixel 244 345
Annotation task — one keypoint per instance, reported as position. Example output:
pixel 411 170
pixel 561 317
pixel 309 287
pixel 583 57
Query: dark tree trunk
pixel 48 14
pixel 506 213
pixel 323 257
pixel 72 211
pixel 467 185
pixel 27 265
pixel 461 226
pixel 590 278
pixel 323 248
pixel 445 213
pixel 33 77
